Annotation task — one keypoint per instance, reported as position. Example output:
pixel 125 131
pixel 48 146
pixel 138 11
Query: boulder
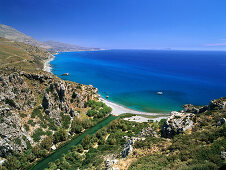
pixel 189 108
pixel 223 155
pixel 221 122
pixel 177 123
pixel 128 148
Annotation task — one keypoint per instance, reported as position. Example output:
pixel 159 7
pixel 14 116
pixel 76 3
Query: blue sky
pixel 135 24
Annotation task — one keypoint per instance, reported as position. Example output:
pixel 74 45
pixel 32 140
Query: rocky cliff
pixel 29 101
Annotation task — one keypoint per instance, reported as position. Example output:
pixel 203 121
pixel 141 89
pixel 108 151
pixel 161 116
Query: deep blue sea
pixel 133 77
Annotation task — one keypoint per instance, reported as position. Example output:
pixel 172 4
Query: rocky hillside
pixel 195 137
pixel 38 111
pixel 31 102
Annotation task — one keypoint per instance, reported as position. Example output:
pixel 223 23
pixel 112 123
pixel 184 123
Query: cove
pixel 132 78
pixel 42 164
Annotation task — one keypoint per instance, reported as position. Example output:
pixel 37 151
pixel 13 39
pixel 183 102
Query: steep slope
pixel 37 109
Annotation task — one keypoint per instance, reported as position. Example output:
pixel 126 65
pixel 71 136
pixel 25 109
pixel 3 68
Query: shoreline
pixel 117 109
pixel 46 63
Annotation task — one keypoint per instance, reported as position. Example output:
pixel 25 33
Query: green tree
pixel 47 143
pixel 60 135
pixel 86 142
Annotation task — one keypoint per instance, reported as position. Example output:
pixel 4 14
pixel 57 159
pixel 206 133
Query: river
pixel 42 164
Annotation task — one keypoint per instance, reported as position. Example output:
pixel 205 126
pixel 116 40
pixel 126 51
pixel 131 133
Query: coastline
pixel 117 109
pixel 46 63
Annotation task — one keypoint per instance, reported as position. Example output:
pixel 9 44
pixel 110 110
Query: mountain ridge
pixel 52 46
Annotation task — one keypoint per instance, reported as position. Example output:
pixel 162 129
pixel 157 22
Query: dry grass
pixel 21 56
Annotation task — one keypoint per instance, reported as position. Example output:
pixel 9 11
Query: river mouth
pixel 42 164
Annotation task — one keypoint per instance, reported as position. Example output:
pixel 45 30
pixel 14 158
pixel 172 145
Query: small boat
pixel 107 97
pixel 65 74
pixel 159 92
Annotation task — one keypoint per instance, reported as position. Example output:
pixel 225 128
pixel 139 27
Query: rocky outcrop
pixel 111 164
pixel 218 104
pixel 12 134
pixel 128 147
pixel 177 123
pixel 221 122
pixel 149 131
pixel 223 155
pixel 15 93
pixel 189 108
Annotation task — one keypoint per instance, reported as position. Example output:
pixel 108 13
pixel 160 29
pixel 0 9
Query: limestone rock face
pixel 21 93
pixel 12 133
pixel 218 104
pixel 15 93
pixel 177 123
pixel 128 148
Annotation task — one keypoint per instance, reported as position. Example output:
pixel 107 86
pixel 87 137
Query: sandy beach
pixel 119 109
pixel 47 67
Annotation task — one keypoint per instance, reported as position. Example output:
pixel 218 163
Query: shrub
pixel 74 95
pixel 26 127
pixel 36 112
pixel 10 102
pixel 76 128
pixel 86 142
pixel 77 148
pixel 18 141
pixel 65 120
pixel 31 122
pixel 47 143
pixel 23 115
pixel 37 134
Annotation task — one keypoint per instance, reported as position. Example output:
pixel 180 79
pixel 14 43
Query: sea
pixel 133 78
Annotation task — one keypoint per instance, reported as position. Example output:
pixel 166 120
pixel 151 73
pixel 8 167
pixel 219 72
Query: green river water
pixel 42 164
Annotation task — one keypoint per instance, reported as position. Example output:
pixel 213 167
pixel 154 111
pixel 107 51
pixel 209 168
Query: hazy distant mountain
pixel 15 35
pixel 59 46
pixel 12 34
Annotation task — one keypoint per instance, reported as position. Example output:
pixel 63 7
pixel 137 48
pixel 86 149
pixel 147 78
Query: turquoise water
pixel 132 77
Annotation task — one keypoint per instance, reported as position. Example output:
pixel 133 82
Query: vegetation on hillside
pixel 199 149
pixel 91 153
pixel 33 153
pixel 21 56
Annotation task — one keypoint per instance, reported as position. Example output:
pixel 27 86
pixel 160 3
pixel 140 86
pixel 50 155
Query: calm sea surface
pixel 133 77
